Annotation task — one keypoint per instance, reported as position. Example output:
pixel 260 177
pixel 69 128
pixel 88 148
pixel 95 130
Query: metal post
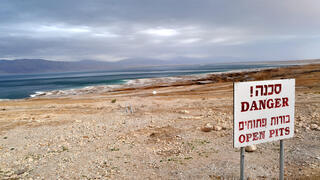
pixel 242 164
pixel 281 160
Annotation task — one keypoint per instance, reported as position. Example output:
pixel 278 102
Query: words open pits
pixel 263 111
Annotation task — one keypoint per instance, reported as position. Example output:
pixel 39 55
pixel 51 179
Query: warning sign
pixel 263 111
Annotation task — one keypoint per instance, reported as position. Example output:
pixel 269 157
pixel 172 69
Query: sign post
pixel 263 112
pixel 242 164
pixel 281 176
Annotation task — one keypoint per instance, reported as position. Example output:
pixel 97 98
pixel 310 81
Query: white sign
pixel 263 111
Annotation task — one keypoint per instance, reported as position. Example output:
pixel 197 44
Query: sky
pixel 112 30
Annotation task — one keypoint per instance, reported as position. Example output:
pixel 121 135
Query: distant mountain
pixel 24 66
pixel 27 66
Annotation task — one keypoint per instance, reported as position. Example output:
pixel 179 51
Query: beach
pixel 153 129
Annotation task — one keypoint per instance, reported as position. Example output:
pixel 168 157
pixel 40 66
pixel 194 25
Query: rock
pixel 190 117
pixel 314 127
pixel 217 128
pixel 39 120
pixel 9 173
pixel 20 171
pixel 251 148
pixel 184 112
pixel 303 118
pixel 207 127
pixel 154 92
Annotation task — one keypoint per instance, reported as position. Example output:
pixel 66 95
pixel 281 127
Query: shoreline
pixel 139 83
pixel 149 82
pixel 142 82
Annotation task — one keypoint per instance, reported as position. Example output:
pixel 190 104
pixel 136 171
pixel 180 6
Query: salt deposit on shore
pixel 137 83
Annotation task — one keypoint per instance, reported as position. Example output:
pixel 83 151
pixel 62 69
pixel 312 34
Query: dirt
pixel 146 136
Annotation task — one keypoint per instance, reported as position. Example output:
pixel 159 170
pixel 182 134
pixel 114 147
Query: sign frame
pixel 287 105
pixel 263 111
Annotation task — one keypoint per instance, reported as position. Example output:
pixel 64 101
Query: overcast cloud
pixel 161 29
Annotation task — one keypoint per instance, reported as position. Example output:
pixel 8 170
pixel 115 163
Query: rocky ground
pixel 132 133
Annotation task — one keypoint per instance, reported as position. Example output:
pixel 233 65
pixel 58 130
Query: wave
pixel 39 93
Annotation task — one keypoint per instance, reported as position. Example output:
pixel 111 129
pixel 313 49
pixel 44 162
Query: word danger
pixel 264 104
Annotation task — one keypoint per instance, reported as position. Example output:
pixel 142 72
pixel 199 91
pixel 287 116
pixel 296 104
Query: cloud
pixel 113 30
pixel 190 40
pixel 161 32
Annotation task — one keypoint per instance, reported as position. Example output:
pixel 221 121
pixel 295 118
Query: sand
pixel 131 133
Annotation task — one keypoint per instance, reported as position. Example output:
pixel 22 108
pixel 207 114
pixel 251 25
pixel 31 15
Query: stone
pixel 299 124
pixel 314 127
pixel 217 128
pixel 185 112
pixel 303 118
pixel 207 127
pixel 20 171
pixel 196 117
pixel 251 148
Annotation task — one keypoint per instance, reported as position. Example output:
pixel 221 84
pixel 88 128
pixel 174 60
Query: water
pixel 22 86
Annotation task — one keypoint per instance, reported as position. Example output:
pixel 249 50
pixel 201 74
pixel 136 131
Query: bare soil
pixel 147 136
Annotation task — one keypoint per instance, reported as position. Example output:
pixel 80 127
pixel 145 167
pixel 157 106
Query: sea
pixel 21 86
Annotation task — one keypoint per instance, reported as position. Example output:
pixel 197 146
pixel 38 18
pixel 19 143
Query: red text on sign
pixel 280 120
pixel 265 90
pixel 251 124
pixel 279 132
pixel 264 104
pixel 252 136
